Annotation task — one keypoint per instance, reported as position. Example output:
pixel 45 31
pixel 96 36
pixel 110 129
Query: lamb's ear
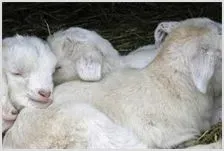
pixel 89 66
pixel 202 67
pixel 162 30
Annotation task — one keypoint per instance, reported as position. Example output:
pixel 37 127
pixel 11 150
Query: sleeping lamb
pixel 28 65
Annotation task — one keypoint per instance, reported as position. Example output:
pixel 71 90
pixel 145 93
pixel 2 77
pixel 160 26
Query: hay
pixel 126 25
pixel 209 136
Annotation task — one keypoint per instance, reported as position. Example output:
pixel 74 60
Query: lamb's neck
pixel 173 72
pixel 113 64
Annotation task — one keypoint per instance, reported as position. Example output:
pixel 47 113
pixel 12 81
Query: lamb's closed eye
pixel 17 73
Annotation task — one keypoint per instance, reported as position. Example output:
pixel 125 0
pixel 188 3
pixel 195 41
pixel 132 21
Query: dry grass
pixel 126 25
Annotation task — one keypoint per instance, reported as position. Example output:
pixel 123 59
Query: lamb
pixel 78 125
pixel 84 54
pixel 171 98
pixel 137 59
pixel 122 135
pixel 162 30
pixel 190 55
pixel 28 65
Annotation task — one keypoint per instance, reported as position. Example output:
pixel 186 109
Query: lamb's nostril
pixel 44 93
pixel 14 112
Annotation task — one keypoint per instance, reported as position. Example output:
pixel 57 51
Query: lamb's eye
pixel 57 68
pixel 17 73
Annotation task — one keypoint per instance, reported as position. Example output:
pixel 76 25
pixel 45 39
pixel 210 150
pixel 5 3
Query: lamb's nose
pixel 14 112
pixel 45 93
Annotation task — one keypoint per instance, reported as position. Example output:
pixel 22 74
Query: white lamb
pixel 190 59
pixel 162 30
pixel 28 65
pixel 65 126
pixel 83 54
pixel 171 98
pixel 123 138
pixel 136 59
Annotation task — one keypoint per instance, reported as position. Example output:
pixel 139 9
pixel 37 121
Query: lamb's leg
pixel 72 126
pixel 9 115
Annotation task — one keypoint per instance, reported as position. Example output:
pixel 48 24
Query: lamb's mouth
pixel 39 103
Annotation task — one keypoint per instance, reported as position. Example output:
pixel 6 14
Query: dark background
pixel 126 25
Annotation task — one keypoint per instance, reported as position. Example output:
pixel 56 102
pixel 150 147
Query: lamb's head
pixel 81 54
pixel 194 48
pixel 28 64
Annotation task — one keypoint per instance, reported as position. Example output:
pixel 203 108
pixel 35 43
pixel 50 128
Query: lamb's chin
pixel 38 104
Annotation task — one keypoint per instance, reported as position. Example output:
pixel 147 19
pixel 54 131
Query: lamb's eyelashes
pixel 17 73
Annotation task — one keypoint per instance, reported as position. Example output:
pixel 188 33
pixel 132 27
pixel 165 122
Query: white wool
pixel 68 126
